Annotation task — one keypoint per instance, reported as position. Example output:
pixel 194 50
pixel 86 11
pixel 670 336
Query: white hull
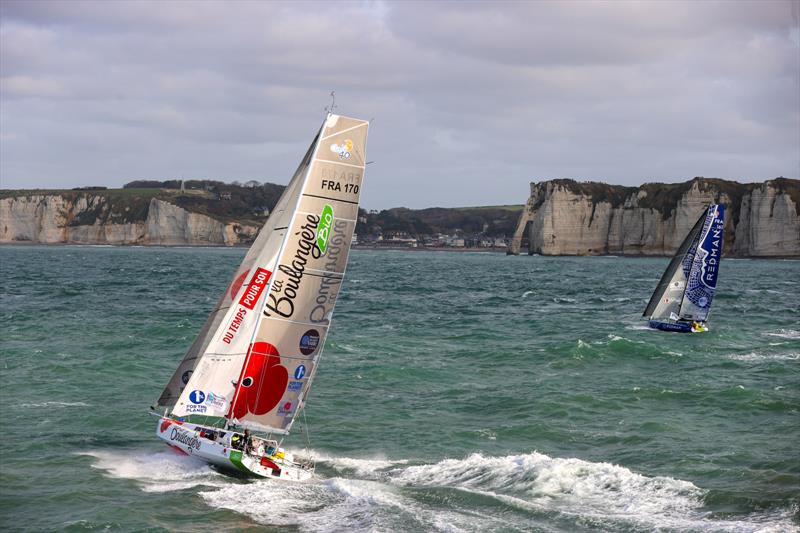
pixel 189 439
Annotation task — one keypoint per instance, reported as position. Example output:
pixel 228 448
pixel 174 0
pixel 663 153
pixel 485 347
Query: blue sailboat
pixel 682 299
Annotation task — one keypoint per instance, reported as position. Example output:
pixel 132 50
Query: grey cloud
pixel 472 100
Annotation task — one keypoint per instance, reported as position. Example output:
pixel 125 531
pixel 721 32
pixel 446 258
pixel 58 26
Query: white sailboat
pixel 682 299
pixel 246 377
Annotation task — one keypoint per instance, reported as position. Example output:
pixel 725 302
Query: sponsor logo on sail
pixel 285 409
pixel 299 372
pixel 324 229
pixel 234 326
pixel 344 150
pixel 712 246
pixel 329 284
pixel 284 291
pixel 255 288
pixel 197 396
pixel 309 342
pixel 184 437
pixel 216 401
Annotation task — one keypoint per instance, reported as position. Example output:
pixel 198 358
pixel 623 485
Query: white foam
pixel 753 356
pixel 55 404
pixel 526 294
pixel 784 334
pixel 336 504
pixel 163 471
pixel 364 467
pixel 601 492
pixel 579 488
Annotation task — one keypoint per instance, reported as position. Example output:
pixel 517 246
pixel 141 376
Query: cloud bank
pixel 471 101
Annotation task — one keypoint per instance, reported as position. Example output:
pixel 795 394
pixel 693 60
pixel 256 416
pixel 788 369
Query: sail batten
pixel 261 352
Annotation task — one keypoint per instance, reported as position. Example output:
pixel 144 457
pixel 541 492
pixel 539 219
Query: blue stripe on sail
pixel 702 279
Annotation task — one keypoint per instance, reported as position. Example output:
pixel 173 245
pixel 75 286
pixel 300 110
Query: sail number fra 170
pixel 338 187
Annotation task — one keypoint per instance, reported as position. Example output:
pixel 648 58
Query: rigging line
pixel 307 433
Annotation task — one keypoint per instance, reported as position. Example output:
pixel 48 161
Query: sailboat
pixel 682 299
pixel 243 382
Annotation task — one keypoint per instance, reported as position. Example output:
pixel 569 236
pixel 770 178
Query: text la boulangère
pixel 281 300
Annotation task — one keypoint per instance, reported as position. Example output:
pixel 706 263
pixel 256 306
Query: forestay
pixel 258 361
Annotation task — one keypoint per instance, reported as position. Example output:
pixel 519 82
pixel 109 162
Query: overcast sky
pixel 471 101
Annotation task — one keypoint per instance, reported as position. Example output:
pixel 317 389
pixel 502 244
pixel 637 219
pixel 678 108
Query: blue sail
pixel 701 281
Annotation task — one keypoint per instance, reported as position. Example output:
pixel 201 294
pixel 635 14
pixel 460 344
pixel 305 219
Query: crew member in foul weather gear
pixel 248 441
pixel 236 441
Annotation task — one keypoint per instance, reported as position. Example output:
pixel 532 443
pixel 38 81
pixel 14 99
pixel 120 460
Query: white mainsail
pixel 257 362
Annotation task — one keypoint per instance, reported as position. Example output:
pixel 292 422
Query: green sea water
pixel 457 392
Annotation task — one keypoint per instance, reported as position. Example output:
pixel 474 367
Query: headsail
pixel 701 249
pixel 257 366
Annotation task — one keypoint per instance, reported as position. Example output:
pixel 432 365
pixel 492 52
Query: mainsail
pixel 255 357
pixel 687 287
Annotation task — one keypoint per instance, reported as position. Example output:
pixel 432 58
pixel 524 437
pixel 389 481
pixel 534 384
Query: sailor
pixel 236 441
pixel 248 442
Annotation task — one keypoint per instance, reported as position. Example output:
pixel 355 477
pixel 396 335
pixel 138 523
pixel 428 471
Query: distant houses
pixel 402 239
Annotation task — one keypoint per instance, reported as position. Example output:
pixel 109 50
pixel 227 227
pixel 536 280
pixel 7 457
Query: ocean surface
pixel 457 392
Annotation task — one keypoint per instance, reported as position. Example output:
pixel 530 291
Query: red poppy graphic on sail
pixel 262 382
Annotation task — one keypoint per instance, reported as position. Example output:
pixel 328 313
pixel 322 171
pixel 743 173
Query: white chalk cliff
pixel 563 217
pixel 97 219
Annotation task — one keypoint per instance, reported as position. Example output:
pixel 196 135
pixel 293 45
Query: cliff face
pixel 97 219
pixel 563 217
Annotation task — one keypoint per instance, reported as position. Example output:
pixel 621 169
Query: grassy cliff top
pixel 227 203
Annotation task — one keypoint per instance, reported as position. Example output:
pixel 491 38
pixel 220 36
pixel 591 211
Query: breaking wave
pixel 390 495
pixel 163 471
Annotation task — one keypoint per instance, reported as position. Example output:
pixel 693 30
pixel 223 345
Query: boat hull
pixel 188 438
pixel 678 327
